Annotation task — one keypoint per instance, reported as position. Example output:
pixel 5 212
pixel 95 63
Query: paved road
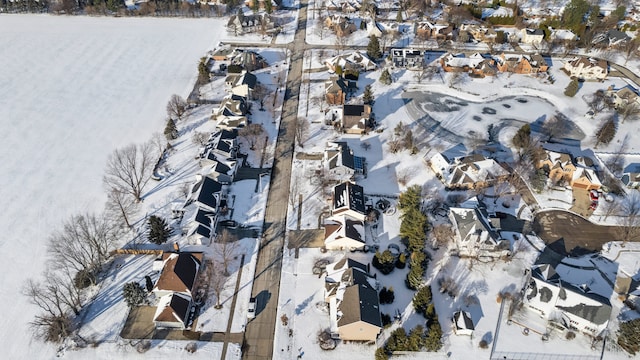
pixel 259 335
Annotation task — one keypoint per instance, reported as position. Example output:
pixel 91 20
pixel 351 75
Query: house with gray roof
pixel 568 306
pixel 477 233
pixel 631 176
pixel 348 199
pixel 340 162
pixel 352 295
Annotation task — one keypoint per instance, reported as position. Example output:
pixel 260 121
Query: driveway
pixel 577 232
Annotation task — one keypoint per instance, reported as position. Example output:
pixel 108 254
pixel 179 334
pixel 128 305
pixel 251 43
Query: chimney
pixel 176 247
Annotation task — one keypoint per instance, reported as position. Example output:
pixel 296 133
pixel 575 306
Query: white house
pixel 587 68
pixel 462 323
pixel 242 84
pixel 342 232
pixel 354 60
pixel 173 311
pixel 373 28
pixel 340 162
pixel 476 234
pixel 570 306
pixel 348 199
pixel 531 36
pixel 466 172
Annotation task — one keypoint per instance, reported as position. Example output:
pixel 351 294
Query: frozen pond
pixel 454 119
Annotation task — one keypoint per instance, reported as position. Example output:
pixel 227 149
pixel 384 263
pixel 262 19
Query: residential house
pixel 223 145
pixel 179 273
pixel 531 36
pixel 200 226
pixel 220 170
pixel 407 58
pixel 354 308
pixel 233 106
pixel 340 162
pixel 611 39
pixel 587 68
pixel 222 53
pixel 625 96
pixel 356 119
pixel 248 60
pixel 337 89
pixel 557 166
pixel 348 199
pixel 207 193
pixel 354 61
pixel 476 33
pixel 230 123
pixel 437 31
pixel 631 176
pixel 476 234
pixel 567 305
pixel 585 178
pixel 343 232
pixel 466 172
pixel 251 3
pixel 341 25
pixel 243 84
pixel 173 311
pixel 250 23
pixel 522 64
pixel 462 323
pixel 475 64
pixel 563 36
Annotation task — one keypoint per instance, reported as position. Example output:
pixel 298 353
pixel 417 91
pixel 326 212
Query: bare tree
pixel 251 134
pixel 500 188
pixel 341 41
pixel 226 250
pixel 218 282
pixel 318 101
pixel 611 207
pixel 120 206
pixel 159 142
pixel 130 168
pixel 56 296
pixel 629 224
pixel 395 144
pixel 301 130
pixel 629 111
pixel 83 244
pixel 320 28
pixel 456 78
pixel 442 235
pixel 176 107
pixel 293 192
pixel 631 49
pixel 555 126
pixel 200 138
pixel 615 163
pixel 598 101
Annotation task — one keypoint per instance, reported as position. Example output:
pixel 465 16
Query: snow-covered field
pixel 73 89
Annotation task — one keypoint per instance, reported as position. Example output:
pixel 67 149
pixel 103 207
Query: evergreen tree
pixel 572 89
pixel 606 132
pixel 385 77
pixel 159 230
pixel 629 336
pixel 422 299
pixel 373 48
pixel 268 6
pixel 133 294
pixel 522 138
pixel 401 263
pixel 367 97
pixel 170 130
pixel 384 261
pixel 397 340
pixel 381 354
pixel 203 72
pixel 415 340
pixel 399 18
pixel 411 198
pixel 433 339
pixel 414 277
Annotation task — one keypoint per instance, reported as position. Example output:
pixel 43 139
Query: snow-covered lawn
pixel 73 89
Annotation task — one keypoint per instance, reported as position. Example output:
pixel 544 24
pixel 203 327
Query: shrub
pixel 384 261
pixel 387 296
pixel 629 336
pixel 572 89
pixel 133 293
pixel 385 77
pixel 191 347
pixel 570 335
pixel 414 277
pixel 386 320
pixel 397 340
pixel 401 263
pixel 84 278
pixel 433 340
pixel 483 344
pixel 381 354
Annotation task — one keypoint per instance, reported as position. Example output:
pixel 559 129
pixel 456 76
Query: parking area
pixel 576 232
pixel 584 203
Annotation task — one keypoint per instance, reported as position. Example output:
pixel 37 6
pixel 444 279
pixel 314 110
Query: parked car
pixel 594 205
pixel 251 311
pixel 593 195
pixel 229 223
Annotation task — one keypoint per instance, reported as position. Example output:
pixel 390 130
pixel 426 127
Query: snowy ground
pixel 74 88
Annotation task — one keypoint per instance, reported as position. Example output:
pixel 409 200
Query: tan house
pixel 531 36
pixel 341 25
pixel 585 178
pixel 521 64
pixel 356 119
pixel 475 64
pixel 625 96
pixel 437 31
pixel 354 308
pixel 558 166
pixel 587 68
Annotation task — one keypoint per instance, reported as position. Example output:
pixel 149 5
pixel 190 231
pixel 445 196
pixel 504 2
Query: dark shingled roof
pixel 351 231
pixel 596 314
pixel 360 303
pixel 467 322
pixel 179 272
pixel 353 110
pixel 178 307
pixel 349 195
pixel 206 190
pixel 203 217
pixel 249 79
